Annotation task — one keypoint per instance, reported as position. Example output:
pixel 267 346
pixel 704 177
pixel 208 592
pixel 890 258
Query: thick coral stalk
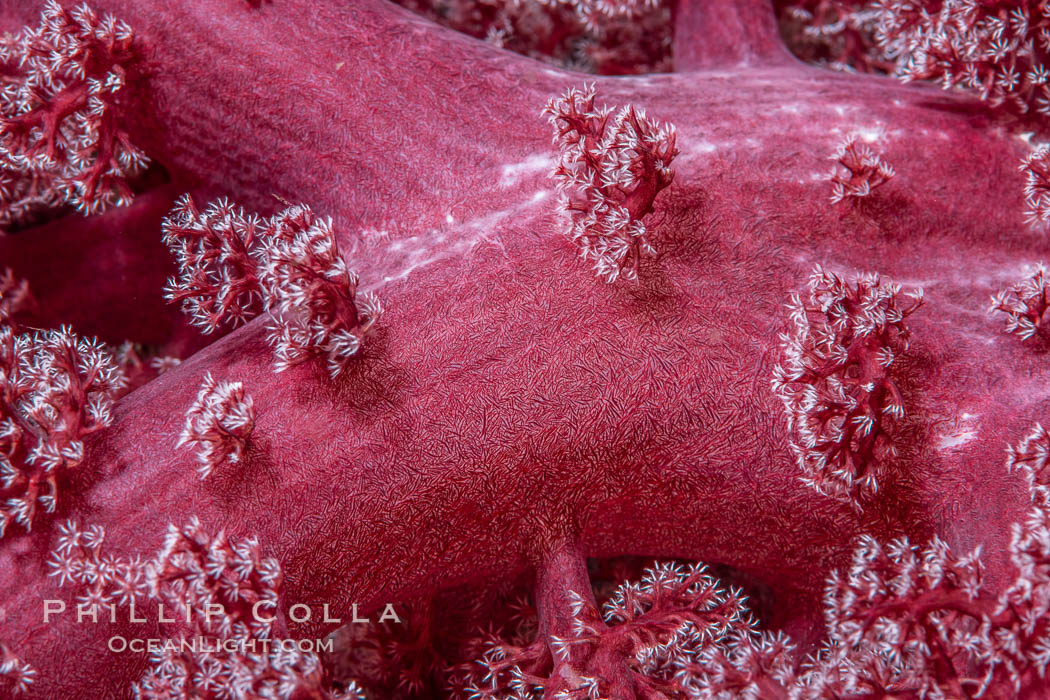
pixel 710 34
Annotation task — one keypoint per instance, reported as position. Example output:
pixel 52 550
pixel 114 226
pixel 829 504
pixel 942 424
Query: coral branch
pixel 859 171
pixel 1025 304
pixel 835 380
pixel 232 265
pixel 1030 456
pixel 312 295
pixel 223 598
pixel 641 642
pixel 60 139
pixel 218 424
pixel 906 619
pixel 1036 169
pixel 55 389
pixel 996 48
pixel 218 252
pixel 616 167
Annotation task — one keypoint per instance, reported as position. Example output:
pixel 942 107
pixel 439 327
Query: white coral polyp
pixel 58 387
pixel 218 424
pixel 45 165
pixel 1024 303
pixel 233 265
pixel 312 295
pixel 834 379
pixel 605 161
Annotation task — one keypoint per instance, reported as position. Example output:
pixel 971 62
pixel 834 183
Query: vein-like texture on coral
pixel 510 402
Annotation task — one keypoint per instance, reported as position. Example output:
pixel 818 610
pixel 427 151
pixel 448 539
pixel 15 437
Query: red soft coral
pixel 55 389
pixel 233 265
pixel 219 424
pixel 61 140
pixel 518 418
pixel 614 167
pixel 836 381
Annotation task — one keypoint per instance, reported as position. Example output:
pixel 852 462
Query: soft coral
pixel 512 404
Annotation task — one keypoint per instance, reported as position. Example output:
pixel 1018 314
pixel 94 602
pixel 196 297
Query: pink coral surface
pixel 513 414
